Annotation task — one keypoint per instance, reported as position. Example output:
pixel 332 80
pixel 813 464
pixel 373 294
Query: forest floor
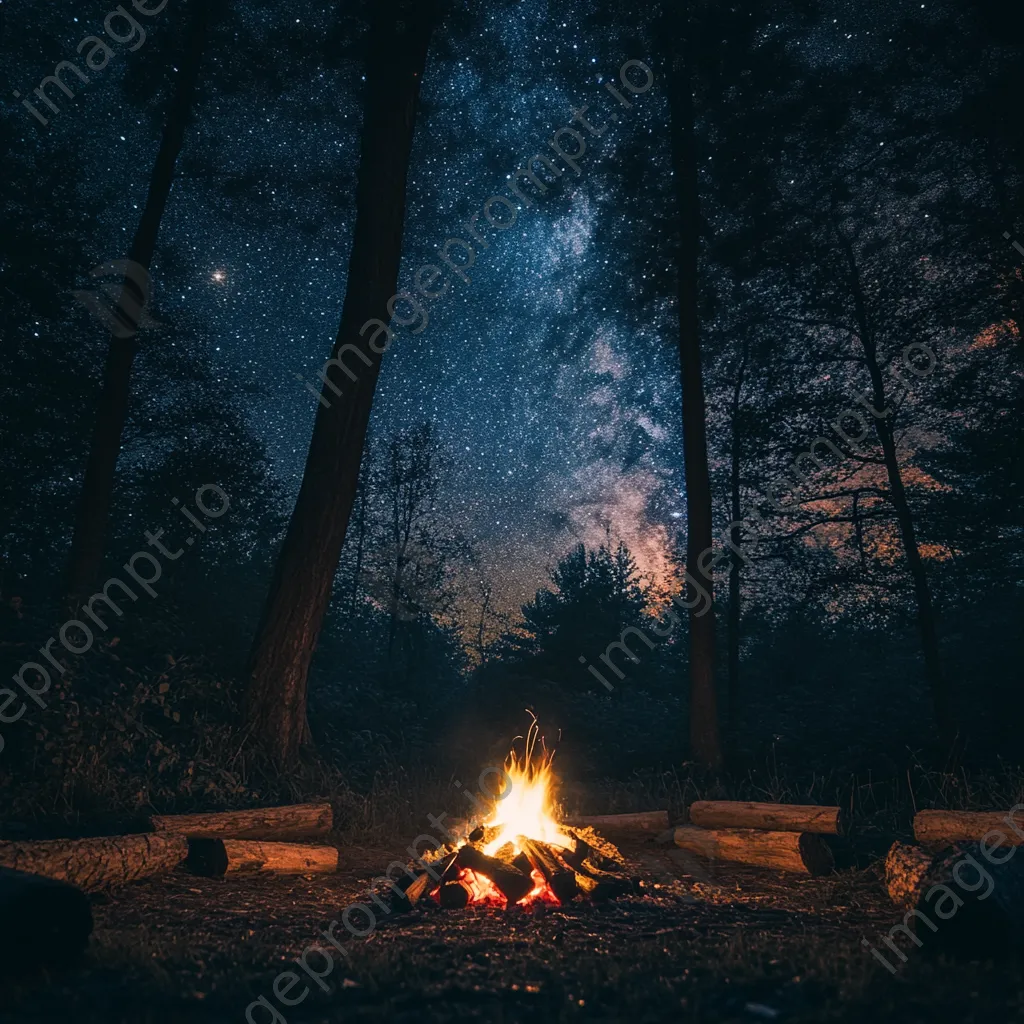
pixel 719 946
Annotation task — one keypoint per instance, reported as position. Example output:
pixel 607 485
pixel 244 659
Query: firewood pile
pixel 43 882
pixel 577 863
pixel 782 837
pixel 207 844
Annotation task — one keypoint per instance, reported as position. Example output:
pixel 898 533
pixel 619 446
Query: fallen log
pixel 956 826
pixel 771 817
pixel 293 821
pixel 215 858
pixel 45 921
pixel 803 853
pixel 968 899
pixel 643 821
pixel 560 877
pixel 96 863
pixel 512 883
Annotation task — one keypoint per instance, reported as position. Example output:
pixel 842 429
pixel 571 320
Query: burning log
pixel 214 858
pixel 512 883
pixel 426 883
pixel 560 877
pixel 587 851
pixel 578 854
pixel 801 852
pixel 453 896
pixel 46 921
pixel 593 878
pixel 967 899
pixel 96 863
pixel 293 821
pixel 644 821
pixel 955 826
pixel 772 817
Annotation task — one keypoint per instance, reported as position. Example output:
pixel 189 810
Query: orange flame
pixel 527 808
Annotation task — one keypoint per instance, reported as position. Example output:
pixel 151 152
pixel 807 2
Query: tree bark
pixel 96 863
pixel 293 821
pixel 954 826
pixel 45 921
pixel 214 858
pixel 773 817
pixel 941 697
pixel 802 853
pixel 88 539
pixel 705 745
pixel 301 588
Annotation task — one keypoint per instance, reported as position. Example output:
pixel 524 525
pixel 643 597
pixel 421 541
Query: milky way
pixel 556 395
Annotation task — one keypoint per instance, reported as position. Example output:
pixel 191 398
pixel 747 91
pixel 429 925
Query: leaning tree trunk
pixel 87 542
pixel 301 587
pixel 937 682
pixel 704 738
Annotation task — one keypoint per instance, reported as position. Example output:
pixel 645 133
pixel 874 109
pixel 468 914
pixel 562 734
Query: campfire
pixel 522 855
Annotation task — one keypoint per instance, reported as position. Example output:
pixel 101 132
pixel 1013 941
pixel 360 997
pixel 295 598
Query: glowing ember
pixel 481 888
pixel 528 809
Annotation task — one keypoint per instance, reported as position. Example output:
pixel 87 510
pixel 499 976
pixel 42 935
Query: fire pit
pixel 522 855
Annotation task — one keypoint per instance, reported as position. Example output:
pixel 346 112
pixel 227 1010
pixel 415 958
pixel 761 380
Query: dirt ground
pixel 698 945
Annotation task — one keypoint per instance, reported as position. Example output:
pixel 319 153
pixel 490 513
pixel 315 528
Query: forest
pixel 624 403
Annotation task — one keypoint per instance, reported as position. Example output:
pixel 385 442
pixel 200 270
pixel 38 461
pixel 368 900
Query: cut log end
pixel 816 854
pixel 453 896
pixel 46 922
pixel 967 899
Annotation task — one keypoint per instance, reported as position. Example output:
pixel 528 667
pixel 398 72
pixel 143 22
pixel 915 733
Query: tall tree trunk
pixel 87 542
pixel 704 738
pixel 941 698
pixel 301 587
pixel 735 561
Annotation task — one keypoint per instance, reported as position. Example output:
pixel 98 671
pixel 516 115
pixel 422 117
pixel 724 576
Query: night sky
pixel 558 402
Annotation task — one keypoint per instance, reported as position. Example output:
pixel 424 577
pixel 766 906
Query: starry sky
pixel 556 396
